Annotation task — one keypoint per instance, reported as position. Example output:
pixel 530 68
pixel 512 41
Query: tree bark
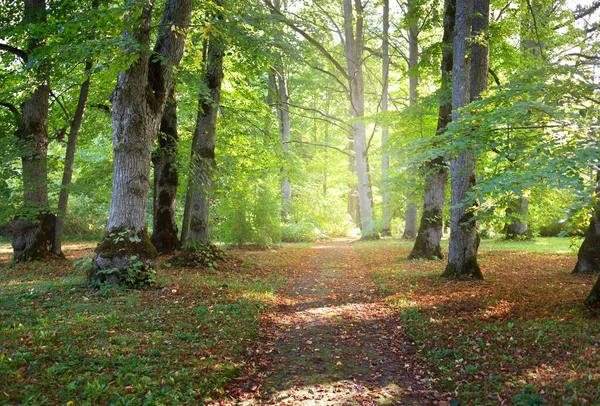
pixel 353 48
pixel 410 216
pixel 166 179
pixel 469 79
pixel 126 255
pixel 284 138
pixel 593 300
pixel 410 221
pixel 75 126
pixel 353 202
pixel 427 244
pixel 202 162
pixel 33 231
pixel 386 215
pixel 517 213
pixel 279 89
pixel 588 256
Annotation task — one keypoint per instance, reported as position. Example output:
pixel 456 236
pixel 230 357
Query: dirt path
pixel 333 342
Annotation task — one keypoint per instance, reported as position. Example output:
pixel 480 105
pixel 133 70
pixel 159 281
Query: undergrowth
pixel 62 342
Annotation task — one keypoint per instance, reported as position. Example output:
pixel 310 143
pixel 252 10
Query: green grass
pixel 61 341
pixel 557 245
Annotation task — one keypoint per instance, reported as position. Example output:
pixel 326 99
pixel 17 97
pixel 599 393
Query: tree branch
pixel 15 51
pixel 62 106
pixel 584 12
pixel 535 26
pixel 105 108
pixel 496 78
pixel 14 110
pixel 325 71
pixel 320 145
pixel 309 38
pixel 316 111
pixel 508 158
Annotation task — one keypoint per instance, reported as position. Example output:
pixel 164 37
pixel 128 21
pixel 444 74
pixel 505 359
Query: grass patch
pixel 62 341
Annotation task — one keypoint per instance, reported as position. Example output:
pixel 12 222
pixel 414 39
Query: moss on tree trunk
pixel 31 240
pixel 124 257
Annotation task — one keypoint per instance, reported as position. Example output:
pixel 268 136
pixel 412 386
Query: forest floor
pixel 339 322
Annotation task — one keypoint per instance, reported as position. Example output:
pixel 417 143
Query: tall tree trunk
pixel 126 255
pixel 166 179
pixel 410 216
pixel 280 90
pixel 588 257
pixel 75 126
pixel 353 202
pixel 34 228
pixel 469 79
pixel 353 51
pixel 517 213
pixel 427 244
pixel 410 221
pixel 33 231
pixel 386 215
pixel 284 138
pixel 202 162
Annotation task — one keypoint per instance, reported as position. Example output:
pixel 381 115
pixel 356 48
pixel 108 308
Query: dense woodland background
pixel 294 121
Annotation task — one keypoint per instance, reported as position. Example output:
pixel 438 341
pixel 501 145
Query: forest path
pixel 333 341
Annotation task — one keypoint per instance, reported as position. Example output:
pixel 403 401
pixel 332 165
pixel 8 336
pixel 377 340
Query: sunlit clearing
pixel 340 392
pixel 354 233
pixel 501 309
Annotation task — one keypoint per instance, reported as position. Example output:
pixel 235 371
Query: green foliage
pixel 135 275
pixel 528 397
pixel 249 216
pixel 196 255
pixel 300 232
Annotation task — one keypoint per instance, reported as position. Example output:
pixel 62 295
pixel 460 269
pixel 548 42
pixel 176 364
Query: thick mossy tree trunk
pixel 354 35
pixel 517 213
pixel 126 255
pixel 427 245
pixel 195 228
pixel 33 230
pixel 166 179
pixel 588 257
pixel 469 79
